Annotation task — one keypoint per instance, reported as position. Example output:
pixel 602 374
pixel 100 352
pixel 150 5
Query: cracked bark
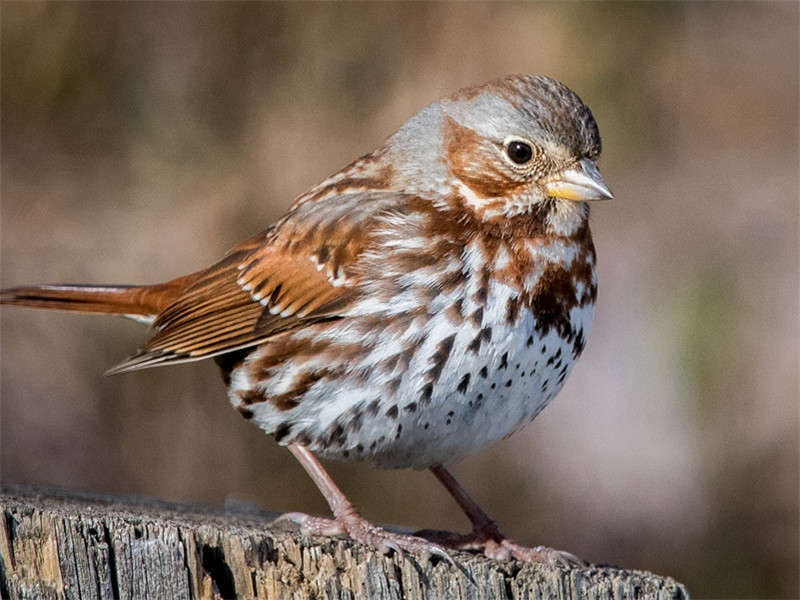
pixel 57 544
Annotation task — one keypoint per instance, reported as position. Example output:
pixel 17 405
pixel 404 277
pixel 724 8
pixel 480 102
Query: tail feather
pixel 143 301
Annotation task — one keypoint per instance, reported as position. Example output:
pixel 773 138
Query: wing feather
pixel 298 272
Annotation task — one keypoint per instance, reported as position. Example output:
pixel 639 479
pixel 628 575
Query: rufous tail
pixel 145 301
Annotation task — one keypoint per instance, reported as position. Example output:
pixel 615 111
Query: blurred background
pixel 140 141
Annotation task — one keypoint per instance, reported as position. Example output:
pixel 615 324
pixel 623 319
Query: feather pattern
pixel 420 304
pixel 298 272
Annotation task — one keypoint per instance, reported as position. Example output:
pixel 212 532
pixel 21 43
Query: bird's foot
pixel 364 532
pixel 495 545
pixel 506 548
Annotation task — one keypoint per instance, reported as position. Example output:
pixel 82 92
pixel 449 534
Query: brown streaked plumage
pixel 422 303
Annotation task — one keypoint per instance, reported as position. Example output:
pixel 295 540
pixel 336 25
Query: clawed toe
pixel 498 547
pixel 364 532
pixel 385 541
pixel 485 536
pixel 312 525
pixel 538 554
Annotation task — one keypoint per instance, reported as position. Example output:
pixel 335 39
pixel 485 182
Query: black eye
pixel 519 152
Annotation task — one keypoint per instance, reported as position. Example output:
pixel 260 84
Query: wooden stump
pixel 57 544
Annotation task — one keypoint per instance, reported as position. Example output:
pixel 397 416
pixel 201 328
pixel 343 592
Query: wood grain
pixel 56 544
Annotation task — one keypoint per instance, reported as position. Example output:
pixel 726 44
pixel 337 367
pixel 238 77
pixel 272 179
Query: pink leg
pixel 347 520
pixel 485 533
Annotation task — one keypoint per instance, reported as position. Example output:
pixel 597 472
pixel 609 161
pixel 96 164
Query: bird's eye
pixel 519 152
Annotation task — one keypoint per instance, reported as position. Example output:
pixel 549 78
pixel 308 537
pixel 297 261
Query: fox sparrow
pixel 422 303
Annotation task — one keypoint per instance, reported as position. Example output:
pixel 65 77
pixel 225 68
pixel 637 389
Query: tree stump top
pixel 58 544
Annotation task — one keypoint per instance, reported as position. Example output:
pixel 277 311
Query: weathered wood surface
pixel 64 545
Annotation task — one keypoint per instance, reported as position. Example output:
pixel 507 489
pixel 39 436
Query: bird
pixel 422 303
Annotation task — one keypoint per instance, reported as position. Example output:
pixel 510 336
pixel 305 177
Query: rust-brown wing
pixel 298 272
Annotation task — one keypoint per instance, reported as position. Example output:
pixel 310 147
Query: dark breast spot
pixel 512 310
pixel 552 300
pixel 282 431
pixel 484 335
pixel 439 358
pixel 454 313
pixel 394 384
pixel 337 436
pixel 426 393
pixel 249 397
pixel 477 317
pixel 578 344
pixel 284 402
pixel 563 374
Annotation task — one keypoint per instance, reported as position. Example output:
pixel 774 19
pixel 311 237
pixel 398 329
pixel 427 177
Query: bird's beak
pixel 580 182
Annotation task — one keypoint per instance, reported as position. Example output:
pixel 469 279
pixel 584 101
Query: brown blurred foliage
pixel 142 140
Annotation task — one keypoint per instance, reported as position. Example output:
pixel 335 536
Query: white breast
pixel 425 387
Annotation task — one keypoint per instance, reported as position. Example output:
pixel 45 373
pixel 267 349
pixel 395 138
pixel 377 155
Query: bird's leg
pixel 347 520
pixel 485 534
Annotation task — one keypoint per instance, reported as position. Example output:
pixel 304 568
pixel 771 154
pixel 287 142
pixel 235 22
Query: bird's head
pixel 517 145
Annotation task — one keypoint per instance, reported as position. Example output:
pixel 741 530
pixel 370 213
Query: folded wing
pixel 300 271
